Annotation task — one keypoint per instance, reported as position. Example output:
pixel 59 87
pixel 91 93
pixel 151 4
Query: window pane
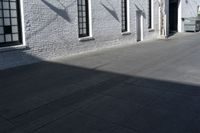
pixel 5 5
pixel 8 38
pixel 14 13
pixel 15 37
pixel 6 13
pixel 0 13
pixel 1 30
pixel 1 22
pixel 14 21
pixel 7 29
pixel 6 21
pixel 14 29
pixel 1 38
pixel 13 5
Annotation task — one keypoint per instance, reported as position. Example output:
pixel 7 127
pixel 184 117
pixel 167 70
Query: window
pixel 150 26
pixel 124 15
pixel 83 18
pixel 10 23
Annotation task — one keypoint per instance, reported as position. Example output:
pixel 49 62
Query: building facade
pixel 176 12
pixel 35 30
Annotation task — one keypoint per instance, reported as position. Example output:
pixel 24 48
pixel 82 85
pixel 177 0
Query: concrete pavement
pixel 151 87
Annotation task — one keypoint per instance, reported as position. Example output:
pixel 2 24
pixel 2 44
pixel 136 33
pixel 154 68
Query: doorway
pixel 173 16
pixel 139 25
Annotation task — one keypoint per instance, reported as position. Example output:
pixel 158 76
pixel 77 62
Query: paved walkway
pixel 151 87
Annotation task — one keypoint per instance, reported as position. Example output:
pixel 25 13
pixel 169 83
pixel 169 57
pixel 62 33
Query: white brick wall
pixel 187 8
pixel 190 8
pixel 51 29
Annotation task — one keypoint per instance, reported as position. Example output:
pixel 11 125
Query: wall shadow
pixel 141 11
pixel 111 11
pixel 20 55
pixel 45 92
pixel 61 12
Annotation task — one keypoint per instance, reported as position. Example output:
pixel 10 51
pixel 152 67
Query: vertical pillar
pixel 162 19
pixel 180 22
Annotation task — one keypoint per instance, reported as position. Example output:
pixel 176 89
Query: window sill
pixel 151 30
pixel 126 33
pixel 83 39
pixel 13 48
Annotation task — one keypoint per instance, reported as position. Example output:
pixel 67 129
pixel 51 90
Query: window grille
pixel 10 23
pixel 124 15
pixel 83 18
pixel 150 14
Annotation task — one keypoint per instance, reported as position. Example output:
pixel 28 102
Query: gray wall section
pixel 51 29
pixel 190 8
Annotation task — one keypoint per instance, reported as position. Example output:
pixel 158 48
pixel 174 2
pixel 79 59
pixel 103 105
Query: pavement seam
pixel 8 120
pixel 36 108
pixel 95 87
pixel 114 123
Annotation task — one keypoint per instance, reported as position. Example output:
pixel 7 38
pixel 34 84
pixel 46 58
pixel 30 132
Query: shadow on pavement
pixel 52 97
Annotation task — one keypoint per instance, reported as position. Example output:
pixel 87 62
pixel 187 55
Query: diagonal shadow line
pixel 42 28
pixel 112 12
pixel 61 12
pixel 73 2
pixel 52 20
pixel 108 1
pixel 141 11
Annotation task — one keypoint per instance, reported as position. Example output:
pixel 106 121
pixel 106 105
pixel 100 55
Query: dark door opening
pixel 173 15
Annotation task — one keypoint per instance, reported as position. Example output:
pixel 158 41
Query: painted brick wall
pixel 190 8
pixel 51 29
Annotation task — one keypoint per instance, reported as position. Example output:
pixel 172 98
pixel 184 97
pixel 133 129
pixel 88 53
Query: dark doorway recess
pixel 173 15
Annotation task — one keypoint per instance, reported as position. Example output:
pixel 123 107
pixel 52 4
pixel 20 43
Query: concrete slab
pixel 152 87
pixel 5 125
pixel 81 123
pixel 112 109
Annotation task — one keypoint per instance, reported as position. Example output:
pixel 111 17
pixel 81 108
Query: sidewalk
pixel 151 87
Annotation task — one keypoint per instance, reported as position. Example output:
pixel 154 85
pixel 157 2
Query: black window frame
pixel 83 18
pixel 18 25
pixel 124 15
pixel 150 25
